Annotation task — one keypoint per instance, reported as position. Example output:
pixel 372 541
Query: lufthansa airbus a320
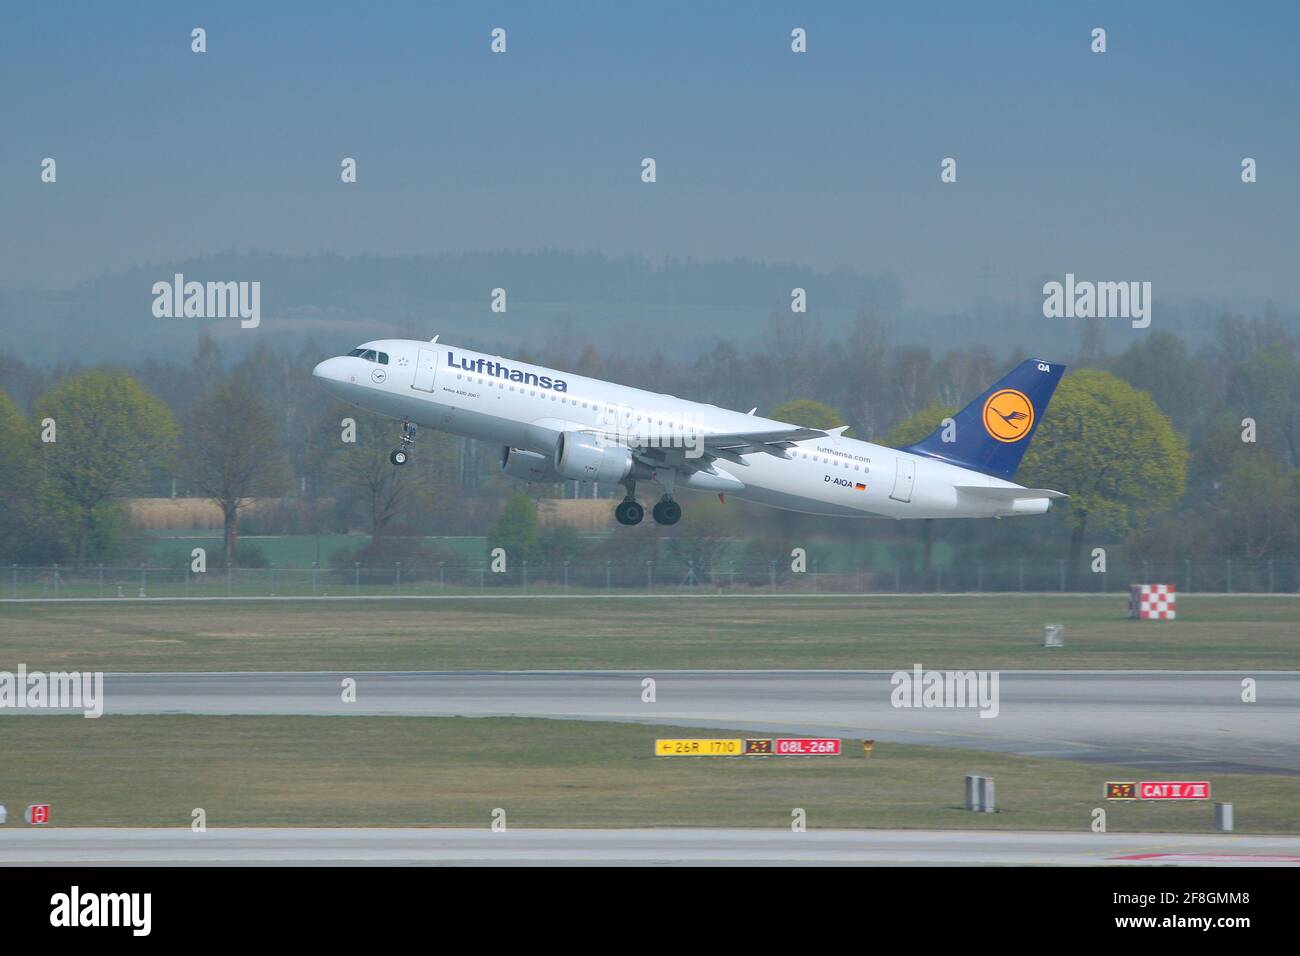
pixel 552 425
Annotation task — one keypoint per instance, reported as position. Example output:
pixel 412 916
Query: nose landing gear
pixel 402 454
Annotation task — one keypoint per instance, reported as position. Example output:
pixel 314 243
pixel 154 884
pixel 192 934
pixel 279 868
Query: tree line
pixel 1166 451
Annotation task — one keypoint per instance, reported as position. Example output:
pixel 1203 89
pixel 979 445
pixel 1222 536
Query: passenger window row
pixel 594 406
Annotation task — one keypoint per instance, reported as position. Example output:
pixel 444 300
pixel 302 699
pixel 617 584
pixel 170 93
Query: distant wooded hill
pixel 581 298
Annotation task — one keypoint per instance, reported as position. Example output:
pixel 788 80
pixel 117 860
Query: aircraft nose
pixel 330 370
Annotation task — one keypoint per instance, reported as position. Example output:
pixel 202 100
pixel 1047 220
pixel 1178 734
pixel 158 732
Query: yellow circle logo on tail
pixel 1008 415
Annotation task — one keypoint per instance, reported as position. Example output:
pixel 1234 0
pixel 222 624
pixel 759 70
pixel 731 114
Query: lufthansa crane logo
pixel 1008 415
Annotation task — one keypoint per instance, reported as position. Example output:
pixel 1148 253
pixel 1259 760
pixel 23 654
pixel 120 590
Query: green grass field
pixel 171 548
pixel 1003 631
pixel 421 771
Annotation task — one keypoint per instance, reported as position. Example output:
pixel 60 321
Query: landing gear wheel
pixel 629 512
pixel 400 456
pixel 667 511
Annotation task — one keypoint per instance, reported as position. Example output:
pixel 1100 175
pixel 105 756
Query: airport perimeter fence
pixel 1027 575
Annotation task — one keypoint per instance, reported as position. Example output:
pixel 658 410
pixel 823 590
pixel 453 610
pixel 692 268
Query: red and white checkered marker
pixel 1152 602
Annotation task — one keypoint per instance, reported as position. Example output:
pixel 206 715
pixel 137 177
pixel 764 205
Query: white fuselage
pixel 465 392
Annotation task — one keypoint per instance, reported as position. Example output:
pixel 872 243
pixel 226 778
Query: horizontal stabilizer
pixel 1009 494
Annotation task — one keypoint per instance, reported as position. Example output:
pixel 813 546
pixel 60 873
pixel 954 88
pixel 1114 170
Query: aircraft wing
pixel 1009 494
pixel 732 445
pixel 745 439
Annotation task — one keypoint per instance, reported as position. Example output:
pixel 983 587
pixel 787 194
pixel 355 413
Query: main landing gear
pixel 401 454
pixel 630 511
pixel 667 511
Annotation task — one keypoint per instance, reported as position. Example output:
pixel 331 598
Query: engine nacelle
pixel 528 466
pixel 582 457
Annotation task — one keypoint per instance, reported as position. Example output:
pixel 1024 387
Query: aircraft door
pixel 426 364
pixel 904 478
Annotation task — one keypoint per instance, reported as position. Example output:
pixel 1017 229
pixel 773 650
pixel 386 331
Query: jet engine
pixel 583 457
pixel 528 465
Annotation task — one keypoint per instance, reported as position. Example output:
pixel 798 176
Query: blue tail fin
pixel 990 434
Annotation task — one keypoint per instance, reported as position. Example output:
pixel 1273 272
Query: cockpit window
pixel 370 355
pixel 356 353
pixel 383 358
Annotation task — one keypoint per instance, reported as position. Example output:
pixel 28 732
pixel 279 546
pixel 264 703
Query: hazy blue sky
pixel 1116 166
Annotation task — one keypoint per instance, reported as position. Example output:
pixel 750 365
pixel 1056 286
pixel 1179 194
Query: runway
pixel 1177 722
pixel 667 847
